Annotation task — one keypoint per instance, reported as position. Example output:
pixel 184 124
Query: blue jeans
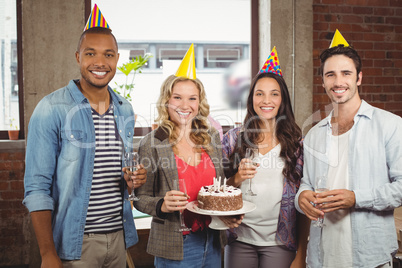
pixel 198 250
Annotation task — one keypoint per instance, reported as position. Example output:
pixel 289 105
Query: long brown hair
pixel 287 132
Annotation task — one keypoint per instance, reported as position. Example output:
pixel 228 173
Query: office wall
pixel 14 244
pixel 51 30
pixel 374 28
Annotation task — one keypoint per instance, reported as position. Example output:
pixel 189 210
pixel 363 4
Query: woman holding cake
pixel 275 234
pixel 182 147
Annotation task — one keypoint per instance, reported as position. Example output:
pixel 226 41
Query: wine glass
pixel 180 185
pixel 131 160
pixel 250 154
pixel 320 187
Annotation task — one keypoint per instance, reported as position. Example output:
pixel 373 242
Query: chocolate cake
pixel 223 198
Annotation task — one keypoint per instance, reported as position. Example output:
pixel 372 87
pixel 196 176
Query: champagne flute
pixel 320 187
pixel 250 154
pixel 180 185
pixel 131 160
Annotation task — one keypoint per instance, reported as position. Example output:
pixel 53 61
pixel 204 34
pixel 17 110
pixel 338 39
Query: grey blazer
pixel 157 156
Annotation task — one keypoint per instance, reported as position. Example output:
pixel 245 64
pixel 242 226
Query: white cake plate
pixel 216 223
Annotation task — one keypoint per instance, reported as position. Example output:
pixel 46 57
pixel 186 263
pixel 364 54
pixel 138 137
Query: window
pixel 166 29
pixel 10 88
pixel 169 52
pixel 135 52
pixel 221 56
pixel 207 56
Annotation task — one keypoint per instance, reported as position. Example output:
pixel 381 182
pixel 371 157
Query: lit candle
pixel 219 185
pixel 224 185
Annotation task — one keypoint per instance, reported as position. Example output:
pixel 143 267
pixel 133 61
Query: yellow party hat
pixel 272 64
pixel 338 40
pixel 187 65
pixel 96 19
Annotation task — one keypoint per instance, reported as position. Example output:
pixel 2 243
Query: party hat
pixel 272 64
pixel 96 19
pixel 187 65
pixel 338 40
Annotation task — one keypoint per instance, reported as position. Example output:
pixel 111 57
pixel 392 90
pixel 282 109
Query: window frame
pixel 139 131
pixel 254 46
pixel 4 133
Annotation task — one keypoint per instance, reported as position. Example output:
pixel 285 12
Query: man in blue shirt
pixel 74 188
pixel 357 153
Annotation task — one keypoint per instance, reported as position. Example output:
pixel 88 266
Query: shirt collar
pixel 365 110
pixel 80 98
pixel 161 134
pixel 75 91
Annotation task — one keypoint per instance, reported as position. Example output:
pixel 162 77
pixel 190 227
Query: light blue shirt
pixel 60 161
pixel 375 174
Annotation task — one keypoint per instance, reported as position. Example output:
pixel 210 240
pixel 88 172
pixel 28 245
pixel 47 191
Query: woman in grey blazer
pixel 183 146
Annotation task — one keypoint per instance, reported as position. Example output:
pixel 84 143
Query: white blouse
pixel 259 226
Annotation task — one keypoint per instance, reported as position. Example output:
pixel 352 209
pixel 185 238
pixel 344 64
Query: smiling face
pixel 267 98
pixel 340 79
pixel 184 102
pixel 97 58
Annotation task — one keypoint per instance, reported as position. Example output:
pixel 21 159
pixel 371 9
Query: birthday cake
pixel 219 197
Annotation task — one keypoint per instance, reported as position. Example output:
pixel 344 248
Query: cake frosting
pixel 220 198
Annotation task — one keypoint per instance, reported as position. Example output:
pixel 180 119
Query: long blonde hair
pixel 199 125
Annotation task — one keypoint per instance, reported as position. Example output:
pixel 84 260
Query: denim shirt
pixel 375 175
pixel 60 160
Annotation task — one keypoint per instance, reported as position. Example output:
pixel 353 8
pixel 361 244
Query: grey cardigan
pixel 158 158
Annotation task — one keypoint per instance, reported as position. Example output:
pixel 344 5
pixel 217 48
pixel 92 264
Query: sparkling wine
pixel 132 168
pixel 321 190
pixel 131 160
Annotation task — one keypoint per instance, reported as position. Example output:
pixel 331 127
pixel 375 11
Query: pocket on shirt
pixel 370 243
pixel 129 133
pixel 72 143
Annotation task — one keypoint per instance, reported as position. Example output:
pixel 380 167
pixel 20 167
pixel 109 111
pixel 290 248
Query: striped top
pixel 105 202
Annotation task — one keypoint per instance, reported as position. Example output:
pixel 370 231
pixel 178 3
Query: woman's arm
pixel 303 230
pixel 245 172
pixel 147 193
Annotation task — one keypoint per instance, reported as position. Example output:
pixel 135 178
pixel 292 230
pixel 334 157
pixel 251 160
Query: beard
pixel 348 95
pixel 94 83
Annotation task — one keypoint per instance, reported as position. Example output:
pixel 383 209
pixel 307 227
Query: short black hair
pixel 96 30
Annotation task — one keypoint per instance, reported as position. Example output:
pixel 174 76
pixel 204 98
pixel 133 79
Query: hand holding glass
pixel 251 155
pixel 180 185
pixel 131 160
pixel 320 187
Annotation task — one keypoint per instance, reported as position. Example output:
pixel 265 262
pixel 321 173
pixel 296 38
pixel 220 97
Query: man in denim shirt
pixel 74 188
pixel 357 150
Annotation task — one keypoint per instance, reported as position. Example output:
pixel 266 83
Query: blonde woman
pixel 183 146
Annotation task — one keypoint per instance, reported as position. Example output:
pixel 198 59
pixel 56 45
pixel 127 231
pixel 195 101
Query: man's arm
pixel 41 221
pixel 386 193
pixel 304 203
pixel 335 199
